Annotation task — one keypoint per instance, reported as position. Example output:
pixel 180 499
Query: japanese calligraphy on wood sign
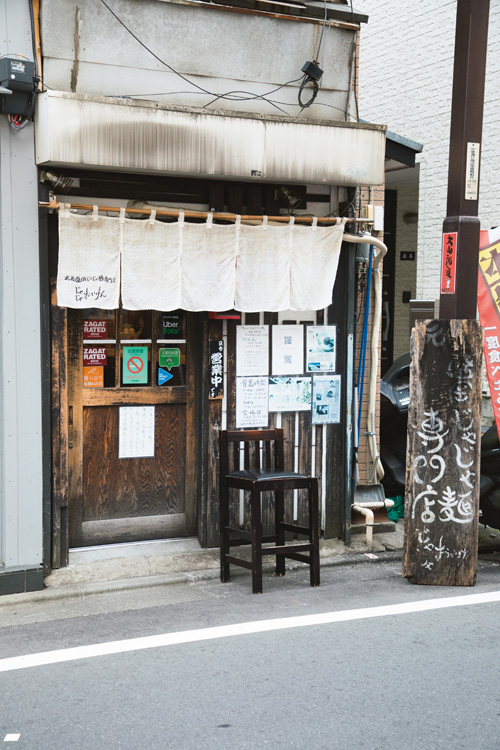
pixel 216 369
pixel 442 475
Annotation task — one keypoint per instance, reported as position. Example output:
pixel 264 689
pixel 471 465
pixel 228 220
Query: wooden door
pixel 131 409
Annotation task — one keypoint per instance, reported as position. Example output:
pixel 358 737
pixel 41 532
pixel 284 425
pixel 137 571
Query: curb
pixel 80 590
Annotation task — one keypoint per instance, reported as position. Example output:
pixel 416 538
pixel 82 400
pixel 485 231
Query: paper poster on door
pixel 252 350
pixel 321 348
pixel 135 364
pixel 288 350
pixel 326 399
pixel 136 433
pixel 289 394
pixel 252 402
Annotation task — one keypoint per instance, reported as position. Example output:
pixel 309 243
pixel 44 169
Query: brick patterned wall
pixel 406 69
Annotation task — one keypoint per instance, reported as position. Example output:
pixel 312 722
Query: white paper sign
pixel 136 434
pixel 252 402
pixel 252 350
pixel 326 399
pixel 289 394
pixel 321 348
pixel 288 350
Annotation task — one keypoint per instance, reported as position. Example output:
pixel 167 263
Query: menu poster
pixel 321 348
pixel 288 350
pixel 289 394
pixel 326 399
pixel 136 433
pixel 252 402
pixel 252 350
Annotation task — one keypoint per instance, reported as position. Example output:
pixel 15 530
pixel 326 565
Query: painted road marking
pixel 11 737
pixel 244 628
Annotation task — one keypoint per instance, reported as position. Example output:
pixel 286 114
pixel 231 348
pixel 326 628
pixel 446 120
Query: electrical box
pixel 18 85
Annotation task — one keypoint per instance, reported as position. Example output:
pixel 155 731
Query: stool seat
pixel 264 475
pixel 260 447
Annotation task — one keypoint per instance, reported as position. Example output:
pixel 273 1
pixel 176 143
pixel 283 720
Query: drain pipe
pixel 377 472
pixel 366 510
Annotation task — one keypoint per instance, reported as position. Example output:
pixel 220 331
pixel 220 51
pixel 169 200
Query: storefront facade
pixel 135 395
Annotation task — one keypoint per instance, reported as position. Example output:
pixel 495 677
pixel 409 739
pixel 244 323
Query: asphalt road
pixel 396 678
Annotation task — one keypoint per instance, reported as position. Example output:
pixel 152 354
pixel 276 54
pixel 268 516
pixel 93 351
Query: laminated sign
pixel 135 365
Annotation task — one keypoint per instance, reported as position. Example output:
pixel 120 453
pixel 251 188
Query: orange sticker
pixel 93 377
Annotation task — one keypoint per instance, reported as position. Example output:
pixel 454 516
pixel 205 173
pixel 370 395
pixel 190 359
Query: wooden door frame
pixel 66 425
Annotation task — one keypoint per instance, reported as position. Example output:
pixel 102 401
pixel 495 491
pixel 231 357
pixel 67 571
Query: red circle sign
pixel 135 365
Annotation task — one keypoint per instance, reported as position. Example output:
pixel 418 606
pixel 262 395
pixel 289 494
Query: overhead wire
pixel 242 95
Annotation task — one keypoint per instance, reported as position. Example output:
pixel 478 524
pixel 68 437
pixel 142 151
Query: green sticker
pixel 170 358
pixel 135 364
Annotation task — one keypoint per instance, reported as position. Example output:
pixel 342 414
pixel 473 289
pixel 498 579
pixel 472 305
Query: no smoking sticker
pixel 135 364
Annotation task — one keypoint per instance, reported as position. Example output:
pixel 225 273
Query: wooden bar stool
pixel 257 476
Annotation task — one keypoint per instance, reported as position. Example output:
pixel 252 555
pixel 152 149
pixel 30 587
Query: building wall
pixel 20 359
pixel 208 45
pixel 406 69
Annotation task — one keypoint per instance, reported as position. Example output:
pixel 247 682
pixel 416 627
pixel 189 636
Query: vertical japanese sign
pixel 216 369
pixel 442 487
pixel 488 299
pixel 449 263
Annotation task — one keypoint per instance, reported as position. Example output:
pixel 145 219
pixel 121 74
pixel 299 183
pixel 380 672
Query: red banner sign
pixel 449 263
pixel 94 355
pixel 488 299
pixel 95 329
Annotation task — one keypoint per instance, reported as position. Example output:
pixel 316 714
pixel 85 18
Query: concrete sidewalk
pixel 123 567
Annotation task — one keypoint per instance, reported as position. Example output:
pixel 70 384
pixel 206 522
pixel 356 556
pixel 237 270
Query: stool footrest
pixel 238 561
pixel 294 528
pixel 286 549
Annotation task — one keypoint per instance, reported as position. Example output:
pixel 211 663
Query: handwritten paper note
pixel 252 350
pixel 252 402
pixel 136 435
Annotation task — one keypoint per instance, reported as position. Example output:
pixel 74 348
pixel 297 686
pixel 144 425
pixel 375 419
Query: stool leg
pixel 224 539
pixel 314 532
pixel 256 524
pixel 279 517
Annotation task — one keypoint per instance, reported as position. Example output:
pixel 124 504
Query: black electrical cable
pixel 315 89
pixel 191 83
pixel 355 73
pixel 322 30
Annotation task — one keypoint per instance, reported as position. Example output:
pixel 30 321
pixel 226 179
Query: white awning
pixel 121 134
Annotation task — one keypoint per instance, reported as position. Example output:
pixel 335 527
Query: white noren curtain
pixel 165 266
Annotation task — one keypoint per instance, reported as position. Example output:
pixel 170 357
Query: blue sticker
pixel 163 376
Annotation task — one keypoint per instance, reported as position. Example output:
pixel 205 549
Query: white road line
pixel 244 628
pixel 11 737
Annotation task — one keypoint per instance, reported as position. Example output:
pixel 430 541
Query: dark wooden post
pixel 460 260
pixel 442 474
pixel 444 426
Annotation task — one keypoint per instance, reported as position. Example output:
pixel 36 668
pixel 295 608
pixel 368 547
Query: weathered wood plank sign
pixel 442 468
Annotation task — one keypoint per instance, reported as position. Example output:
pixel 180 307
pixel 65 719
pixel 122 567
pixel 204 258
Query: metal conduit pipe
pixel 377 472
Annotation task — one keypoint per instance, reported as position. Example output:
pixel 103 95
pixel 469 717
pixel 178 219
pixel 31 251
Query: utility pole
pixel 444 418
pixel 461 227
